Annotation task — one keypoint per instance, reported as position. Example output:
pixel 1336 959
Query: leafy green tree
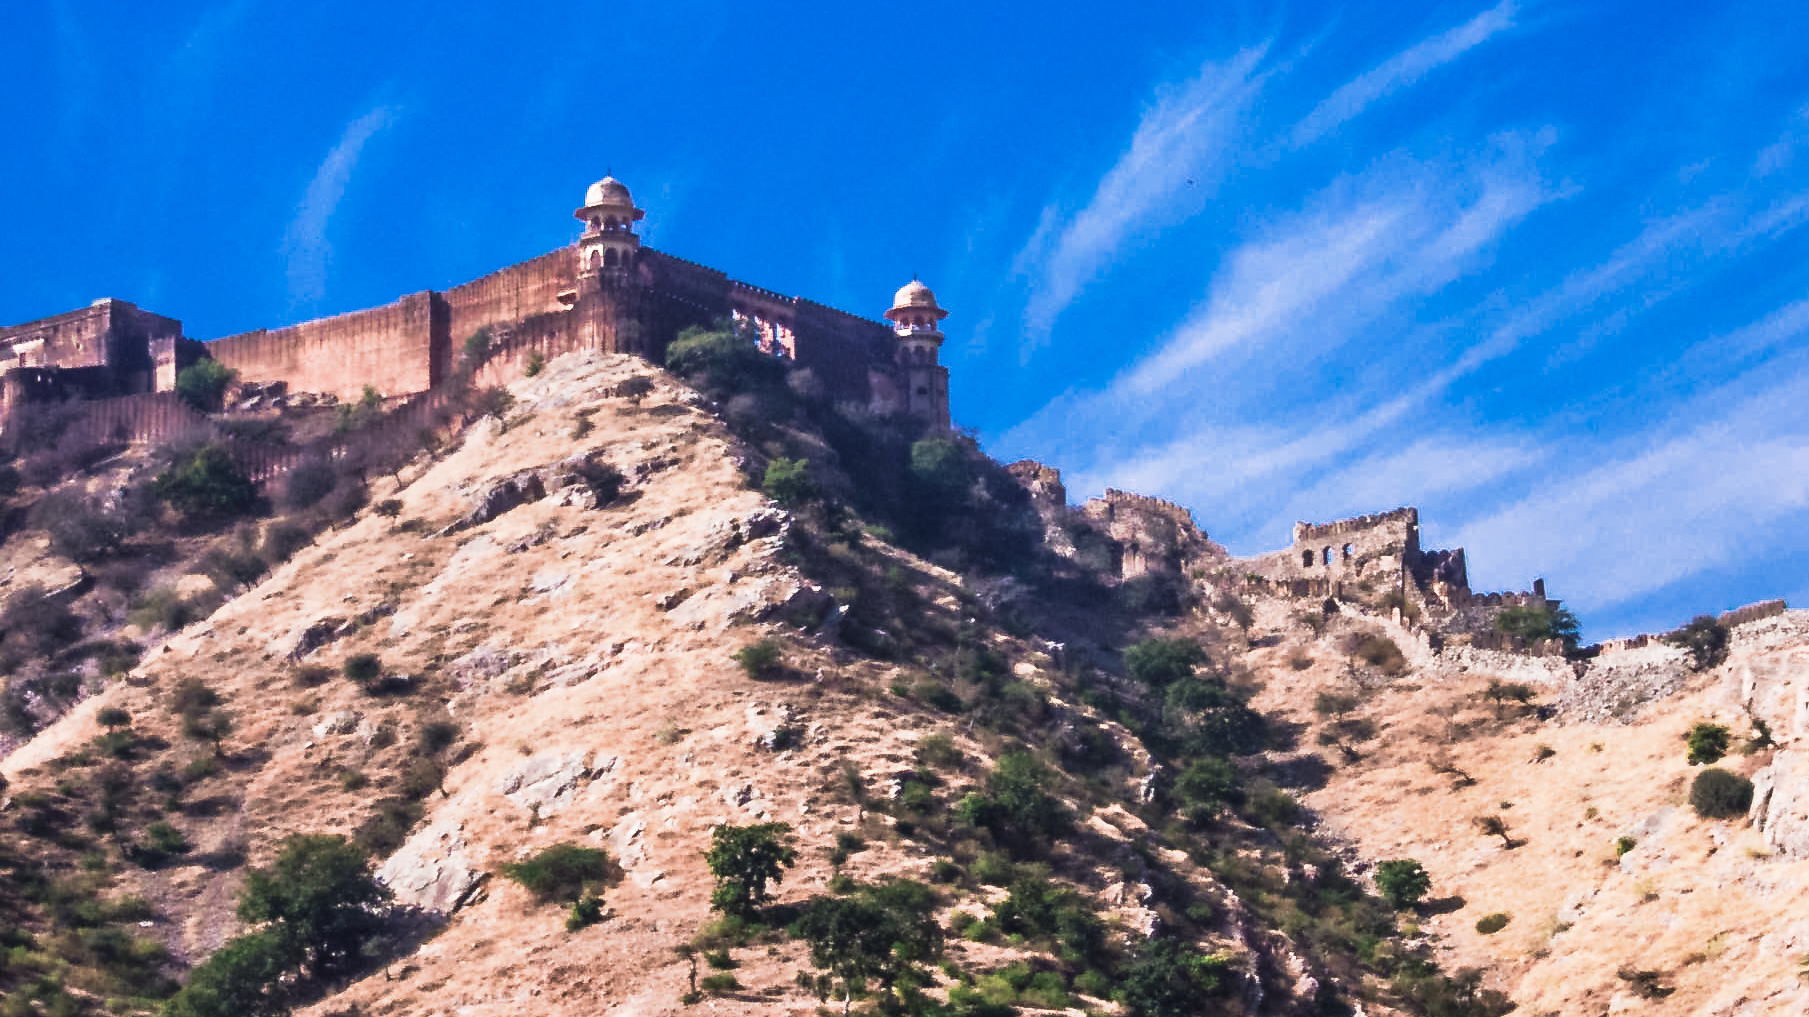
pixel 1707 743
pixel 203 384
pixel 1704 639
pixel 1159 663
pixel 206 483
pixel 1203 716
pixel 1036 907
pixel 1402 882
pixel 1535 624
pixel 744 859
pixel 1168 978
pixel 724 360
pixel 319 897
pixel 244 978
pixel 1206 786
pixel 787 481
pixel 883 933
pixel 1017 806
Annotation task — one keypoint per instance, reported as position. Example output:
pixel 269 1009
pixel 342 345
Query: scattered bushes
pixel 1720 794
pixel 1707 743
pixel 1167 978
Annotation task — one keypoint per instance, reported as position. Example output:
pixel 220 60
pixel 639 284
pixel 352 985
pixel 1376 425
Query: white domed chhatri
pixel 608 191
pixel 914 307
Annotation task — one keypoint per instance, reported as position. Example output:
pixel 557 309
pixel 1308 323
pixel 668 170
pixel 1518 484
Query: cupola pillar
pixel 917 320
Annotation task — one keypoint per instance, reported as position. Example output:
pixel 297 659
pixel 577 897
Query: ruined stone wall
pixel 1152 536
pixel 1377 550
pixel 391 348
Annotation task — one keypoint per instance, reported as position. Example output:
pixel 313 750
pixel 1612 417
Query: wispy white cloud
pixel 305 244
pixel 1624 523
pixel 1178 154
pixel 1402 70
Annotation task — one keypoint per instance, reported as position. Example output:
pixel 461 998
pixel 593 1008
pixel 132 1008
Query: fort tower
pixel 918 321
pixel 609 216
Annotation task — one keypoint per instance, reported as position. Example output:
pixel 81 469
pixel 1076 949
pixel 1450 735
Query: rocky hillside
pixel 584 622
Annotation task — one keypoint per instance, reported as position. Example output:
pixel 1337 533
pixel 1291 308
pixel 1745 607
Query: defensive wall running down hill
pixel 604 292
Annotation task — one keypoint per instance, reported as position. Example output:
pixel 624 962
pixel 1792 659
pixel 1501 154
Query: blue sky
pixel 1536 267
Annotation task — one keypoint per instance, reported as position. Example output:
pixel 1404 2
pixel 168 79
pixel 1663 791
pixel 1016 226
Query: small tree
pixel 1402 882
pixel 244 978
pixel 112 718
pixel 1207 786
pixel 365 670
pixel 320 899
pixel 1494 826
pixel 882 933
pixel 206 483
pixel 744 859
pixel 1704 640
pixel 1159 663
pixel 1720 794
pixel 203 384
pixel 788 482
pixel 1707 743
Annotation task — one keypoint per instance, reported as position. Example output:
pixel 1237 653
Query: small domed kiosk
pixel 609 215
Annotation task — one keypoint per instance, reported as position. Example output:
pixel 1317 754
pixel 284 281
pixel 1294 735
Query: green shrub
pixel 762 659
pixel 1381 653
pixel 938 752
pixel 788 482
pixel 1720 794
pixel 165 839
pixel 1707 743
pixel 535 364
pixel 1402 882
pixel 744 859
pixel 1167 978
pixel 1488 925
pixel 364 670
pixel 1158 663
pixel 882 933
pixel 112 717
pixel 203 384
pixel 1622 845
pixel 721 982
pixel 1206 787
pixel 388 508
pixel 1017 807
pixel 309 483
pixel 562 873
pixel 206 484
pixel 244 978
pixel 1038 909
pixel 602 478
pixel 586 911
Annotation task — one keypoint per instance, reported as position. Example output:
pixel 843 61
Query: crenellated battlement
pixel 1121 501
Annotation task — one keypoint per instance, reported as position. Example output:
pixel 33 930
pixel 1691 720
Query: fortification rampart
pixel 389 348
pixel 1123 501
pixel 1753 612
pixel 512 294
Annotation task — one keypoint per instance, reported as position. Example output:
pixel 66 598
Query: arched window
pixel 1306 557
pixel 1348 551
pixel 1328 556
pixel 609 223
pixel 596 223
pixel 596 258
pixel 609 261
